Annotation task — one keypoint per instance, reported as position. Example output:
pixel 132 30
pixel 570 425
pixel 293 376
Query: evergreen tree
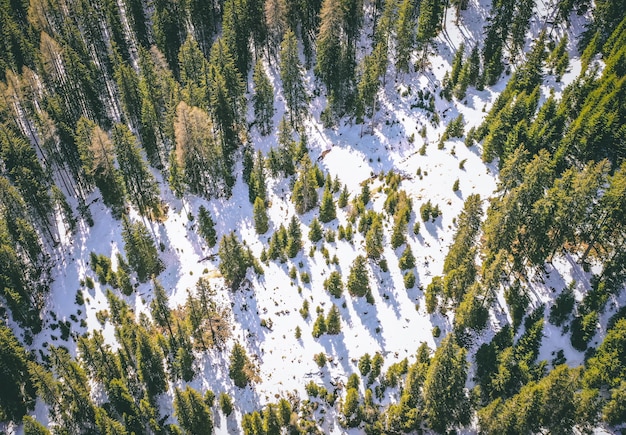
pixel 140 249
pixel 333 321
pixel 194 74
pixel 327 206
pixel 261 221
pixel 291 77
pixel 263 100
pixel 240 368
pixel 140 184
pixel 374 239
pixel 150 364
pixel 319 327
pixel 236 27
pixel 18 390
pixel 304 194
pixel 294 238
pixel 168 26
pixel 445 402
pixel 358 279
pixel 429 20
pixel 33 427
pixel 194 416
pixel 234 260
pixel 343 197
pixel 405 37
pixel 407 260
pixel 315 233
pixel 206 226
pixel 333 284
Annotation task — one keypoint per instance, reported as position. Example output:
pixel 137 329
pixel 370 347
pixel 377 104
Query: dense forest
pixel 120 119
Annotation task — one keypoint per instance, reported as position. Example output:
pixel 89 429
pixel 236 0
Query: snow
pixel 398 323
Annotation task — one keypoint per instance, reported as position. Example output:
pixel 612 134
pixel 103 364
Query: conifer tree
pixel 304 194
pixel 150 364
pixel 141 186
pixel 291 77
pixel 257 185
pixel 294 240
pixel 240 366
pixel 374 240
pixel 276 22
pixel 315 232
pixel 445 402
pixel 333 284
pixel 327 207
pixel 263 100
pixel 18 390
pixel 206 226
pixel 194 416
pixel 358 279
pixel 333 321
pixel 319 327
pixel 140 249
pixel 236 27
pixel 234 260
pixel 261 221
pixel 343 197
pixel 405 37
pixel 194 74
pixel 407 260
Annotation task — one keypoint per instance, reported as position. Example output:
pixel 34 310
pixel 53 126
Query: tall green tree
pixel 358 279
pixel 292 79
pixel 445 401
pixel 19 391
pixel 261 220
pixel 206 226
pixel 263 100
pixel 304 194
pixel 140 184
pixel 240 369
pixel 141 251
pixel 193 414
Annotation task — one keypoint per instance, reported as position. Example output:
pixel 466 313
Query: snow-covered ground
pixel 397 323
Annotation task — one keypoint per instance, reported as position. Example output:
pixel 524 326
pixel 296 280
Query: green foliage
pixel 193 414
pixel 206 226
pixel 429 212
pixel 327 206
pixel 365 364
pixel 409 280
pixel 18 389
pixel 320 359
pixel 262 100
pixel 563 305
pixel 445 403
pixel 226 404
pixel 315 232
pixel 333 284
pixel 261 220
pixel 333 321
pixel 358 279
pixel 319 327
pixel 240 369
pixel 304 193
pixel 407 259
pixel 141 251
pixel 235 260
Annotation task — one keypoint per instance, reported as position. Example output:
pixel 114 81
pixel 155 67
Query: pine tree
pixel 445 402
pixel 33 427
pixel 374 240
pixel 333 284
pixel 315 233
pixel 304 194
pixel 407 260
pixel 150 364
pixel 194 74
pixel 263 100
pixel 333 321
pixel 239 369
pixel 198 153
pixel 358 279
pixel 291 77
pixel 18 389
pixel 261 221
pixel 327 207
pixel 405 37
pixel 194 416
pixel 343 197
pixel 234 260
pixel 140 249
pixel 258 184
pixel 294 239
pixel 319 327
pixel 140 184
pixel 206 226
